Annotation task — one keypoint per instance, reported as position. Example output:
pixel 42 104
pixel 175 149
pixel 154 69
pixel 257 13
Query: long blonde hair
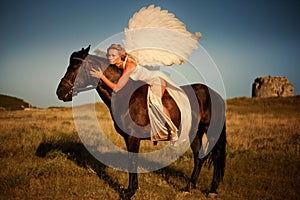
pixel 122 52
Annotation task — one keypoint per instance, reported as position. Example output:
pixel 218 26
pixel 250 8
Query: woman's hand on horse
pixel 96 73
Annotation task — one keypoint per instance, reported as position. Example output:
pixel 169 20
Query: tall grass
pixel 42 157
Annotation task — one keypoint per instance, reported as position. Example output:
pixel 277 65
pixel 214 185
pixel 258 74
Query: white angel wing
pixel 157 38
pixel 100 53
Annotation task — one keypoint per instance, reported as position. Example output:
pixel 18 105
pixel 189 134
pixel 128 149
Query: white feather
pixel 157 38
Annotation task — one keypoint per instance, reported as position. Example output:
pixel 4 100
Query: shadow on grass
pixel 169 173
pixel 76 152
pixel 179 180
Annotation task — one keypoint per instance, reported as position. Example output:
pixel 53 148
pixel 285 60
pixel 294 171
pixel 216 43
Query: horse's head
pixel 77 77
pixel 65 88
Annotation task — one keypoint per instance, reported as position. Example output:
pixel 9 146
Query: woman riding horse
pixel 162 127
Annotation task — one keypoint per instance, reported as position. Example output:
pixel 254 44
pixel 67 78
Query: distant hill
pixel 13 103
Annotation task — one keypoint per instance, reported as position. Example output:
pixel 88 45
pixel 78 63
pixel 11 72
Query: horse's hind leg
pixel 219 158
pixel 216 178
pixel 196 144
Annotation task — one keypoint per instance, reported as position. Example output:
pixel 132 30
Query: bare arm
pixel 115 87
pixel 122 81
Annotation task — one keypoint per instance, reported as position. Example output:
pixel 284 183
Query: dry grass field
pixel 42 157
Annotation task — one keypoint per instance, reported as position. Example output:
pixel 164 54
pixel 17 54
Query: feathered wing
pixel 157 38
pixel 100 53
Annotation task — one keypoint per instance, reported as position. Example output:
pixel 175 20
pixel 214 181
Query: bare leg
pixel 173 138
pixel 163 88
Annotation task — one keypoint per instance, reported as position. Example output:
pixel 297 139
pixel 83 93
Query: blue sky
pixel 246 39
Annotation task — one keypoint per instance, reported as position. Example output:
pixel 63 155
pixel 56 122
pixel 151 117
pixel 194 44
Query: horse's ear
pixel 86 51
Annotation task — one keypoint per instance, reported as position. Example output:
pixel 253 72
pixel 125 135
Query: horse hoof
pixel 126 194
pixel 212 195
pixel 185 189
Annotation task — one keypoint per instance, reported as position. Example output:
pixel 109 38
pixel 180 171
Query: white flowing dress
pixel 157 116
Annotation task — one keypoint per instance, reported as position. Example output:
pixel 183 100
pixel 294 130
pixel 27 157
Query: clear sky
pixel 245 38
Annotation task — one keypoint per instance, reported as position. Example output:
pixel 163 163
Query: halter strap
pixel 76 58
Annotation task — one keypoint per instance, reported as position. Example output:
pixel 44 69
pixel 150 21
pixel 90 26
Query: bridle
pixel 76 90
pixel 64 79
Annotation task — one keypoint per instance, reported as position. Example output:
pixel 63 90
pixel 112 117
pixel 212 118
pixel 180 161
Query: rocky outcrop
pixel 272 86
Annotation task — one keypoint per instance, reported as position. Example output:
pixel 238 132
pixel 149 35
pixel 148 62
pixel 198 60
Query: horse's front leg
pixel 133 145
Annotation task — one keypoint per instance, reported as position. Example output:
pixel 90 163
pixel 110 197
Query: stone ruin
pixel 272 86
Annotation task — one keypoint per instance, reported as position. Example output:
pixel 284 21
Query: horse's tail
pixel 218 155
pixel 221 153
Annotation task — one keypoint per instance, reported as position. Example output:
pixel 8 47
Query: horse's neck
pixel 104 92
pixel 105 95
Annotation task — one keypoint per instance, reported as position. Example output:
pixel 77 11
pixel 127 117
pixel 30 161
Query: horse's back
pixel 131 104
pixel 204 97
